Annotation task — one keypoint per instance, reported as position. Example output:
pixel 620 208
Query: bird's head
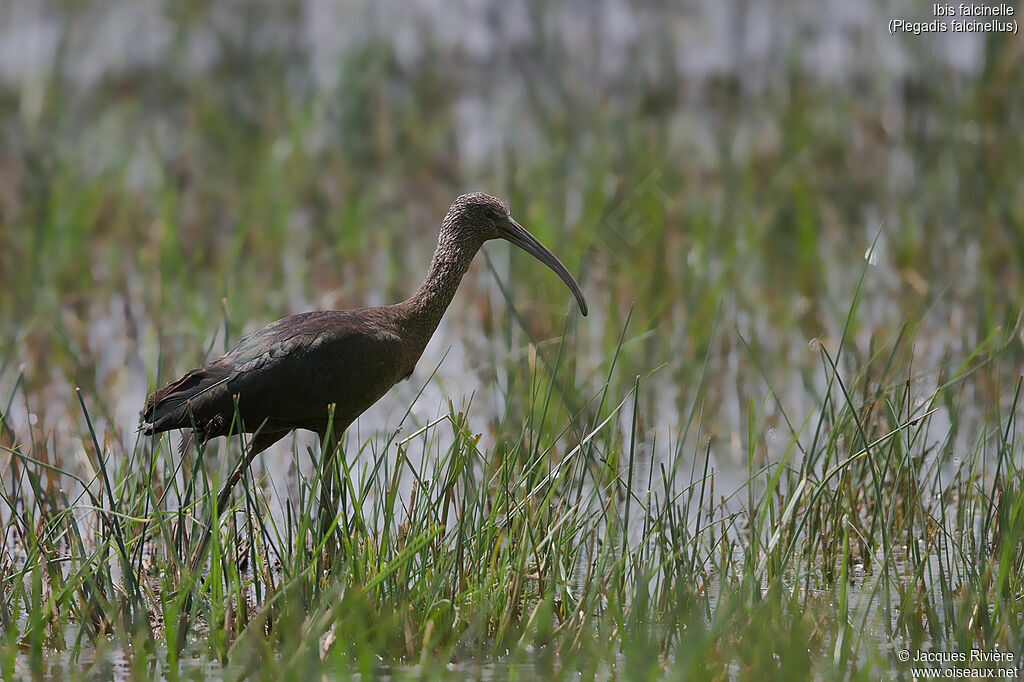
pixel 490 219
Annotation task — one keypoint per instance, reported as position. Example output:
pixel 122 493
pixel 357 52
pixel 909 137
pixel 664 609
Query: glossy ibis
pixel 288 374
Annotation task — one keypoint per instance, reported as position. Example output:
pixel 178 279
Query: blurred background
pixel 733 183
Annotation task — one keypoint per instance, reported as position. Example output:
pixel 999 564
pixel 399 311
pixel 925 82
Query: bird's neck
pixel 424 309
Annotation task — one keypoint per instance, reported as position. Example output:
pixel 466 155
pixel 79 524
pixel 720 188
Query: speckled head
pixel 480 213
pixel 488 218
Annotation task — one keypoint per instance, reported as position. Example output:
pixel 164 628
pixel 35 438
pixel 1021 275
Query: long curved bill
pixel 518 235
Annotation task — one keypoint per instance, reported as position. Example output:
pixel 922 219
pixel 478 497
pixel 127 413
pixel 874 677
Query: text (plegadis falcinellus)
pixel 288 374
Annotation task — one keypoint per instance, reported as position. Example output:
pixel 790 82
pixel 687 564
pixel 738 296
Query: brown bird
pixel 288 374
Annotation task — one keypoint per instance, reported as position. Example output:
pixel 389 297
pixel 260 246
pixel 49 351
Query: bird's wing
pixel 277 340
pixel 290 371
pixel 203 394
pixel 282 371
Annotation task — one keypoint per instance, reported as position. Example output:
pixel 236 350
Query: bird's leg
pixel 329 444
pixel 260 442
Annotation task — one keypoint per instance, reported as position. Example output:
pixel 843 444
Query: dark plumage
pixel 287 374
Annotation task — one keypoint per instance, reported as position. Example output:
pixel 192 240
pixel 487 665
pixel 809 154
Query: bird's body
pixel 345 358
pixel 289 374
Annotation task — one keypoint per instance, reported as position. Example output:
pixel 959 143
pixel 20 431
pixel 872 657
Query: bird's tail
pixel 192 401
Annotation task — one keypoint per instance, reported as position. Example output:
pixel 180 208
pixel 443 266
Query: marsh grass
pixel 550 554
